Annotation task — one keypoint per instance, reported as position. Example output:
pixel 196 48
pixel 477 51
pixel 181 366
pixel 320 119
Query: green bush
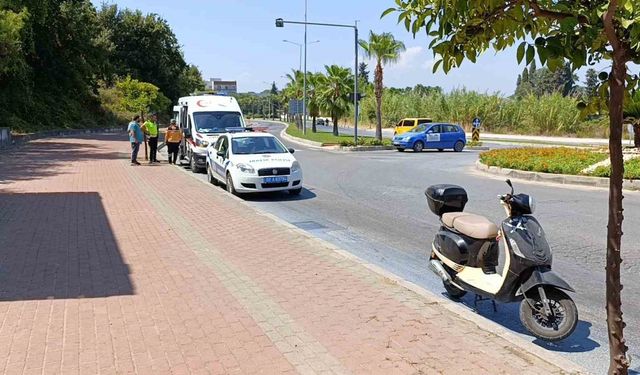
pixel 562 160
pixel 631 170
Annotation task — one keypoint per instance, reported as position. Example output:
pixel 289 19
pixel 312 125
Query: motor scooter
pixel 465 255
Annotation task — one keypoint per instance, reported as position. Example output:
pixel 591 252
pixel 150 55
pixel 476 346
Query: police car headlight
pixel 245 168
pixel 295 167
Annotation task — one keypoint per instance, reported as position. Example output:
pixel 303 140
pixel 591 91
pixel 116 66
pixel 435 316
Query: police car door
pixel 221 159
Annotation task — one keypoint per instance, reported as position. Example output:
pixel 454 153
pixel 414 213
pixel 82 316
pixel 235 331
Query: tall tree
pixel 592 82
pixel 333 93
pixel 363 72
pixel 190 80
pixel 580 32
pixel 314 80
pixel 145 48
pixel 385 49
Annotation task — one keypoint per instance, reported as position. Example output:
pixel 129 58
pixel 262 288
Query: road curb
pixel 322 146
pixel 564 179
pixel 567 366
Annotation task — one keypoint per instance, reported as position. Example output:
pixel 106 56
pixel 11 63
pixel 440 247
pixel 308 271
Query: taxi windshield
pixel 418 129
pixel 257 145
pixel 217 122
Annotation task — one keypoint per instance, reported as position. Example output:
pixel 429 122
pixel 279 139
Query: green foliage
pixel 130 97
pixel 330 139
pixel 146 49
pixel 333 93
pixel 561 160
pixel 546 115
pixel 631 170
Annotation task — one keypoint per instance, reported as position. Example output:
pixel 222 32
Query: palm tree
pixel 632 116
pixel 295 89
pixel 313 81
pixel 333 92
pixel 385 49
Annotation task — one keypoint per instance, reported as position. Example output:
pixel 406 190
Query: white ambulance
pixel 202 119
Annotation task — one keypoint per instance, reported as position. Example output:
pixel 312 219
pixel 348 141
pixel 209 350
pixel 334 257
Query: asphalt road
pixel 373 205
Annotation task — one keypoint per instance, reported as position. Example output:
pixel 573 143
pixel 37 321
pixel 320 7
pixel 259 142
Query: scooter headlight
pixel 532 204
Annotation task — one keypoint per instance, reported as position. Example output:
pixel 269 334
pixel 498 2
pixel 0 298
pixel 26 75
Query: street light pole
pixel 355 89
pixel 280 23
pixel 304 89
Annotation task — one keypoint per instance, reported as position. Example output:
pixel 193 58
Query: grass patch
pixel 560 160
pixel 631 170
pixel 329 138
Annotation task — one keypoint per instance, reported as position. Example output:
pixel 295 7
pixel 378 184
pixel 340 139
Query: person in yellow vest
pixel 151 127
pixel 172 139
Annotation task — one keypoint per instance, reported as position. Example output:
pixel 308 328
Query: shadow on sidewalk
pixel 507 315
pixel 58 245
pixel 44 158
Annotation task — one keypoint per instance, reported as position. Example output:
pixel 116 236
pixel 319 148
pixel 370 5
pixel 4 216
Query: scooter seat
pixel 472 225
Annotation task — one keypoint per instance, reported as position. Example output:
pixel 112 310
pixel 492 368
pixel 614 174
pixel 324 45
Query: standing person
pixel 151 127
pixel 172 139
pixel 135 137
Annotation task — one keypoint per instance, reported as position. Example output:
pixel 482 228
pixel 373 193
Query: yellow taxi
pixel 407 124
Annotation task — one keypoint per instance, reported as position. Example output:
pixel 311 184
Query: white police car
pixel 248 162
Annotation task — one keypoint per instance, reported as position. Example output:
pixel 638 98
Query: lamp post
pixel 300 47
pixel 280 23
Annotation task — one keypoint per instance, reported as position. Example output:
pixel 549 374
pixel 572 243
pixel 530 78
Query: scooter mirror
pixel 510 185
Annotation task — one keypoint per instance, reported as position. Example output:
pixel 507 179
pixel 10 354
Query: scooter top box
pixel 445 198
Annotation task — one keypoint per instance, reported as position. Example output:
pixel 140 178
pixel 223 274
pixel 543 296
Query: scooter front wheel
pixel 556 326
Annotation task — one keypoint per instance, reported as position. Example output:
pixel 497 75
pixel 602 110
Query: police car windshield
pixel 216 122
pixel 257 145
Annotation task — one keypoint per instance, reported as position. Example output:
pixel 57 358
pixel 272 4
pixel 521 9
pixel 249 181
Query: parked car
pixel 434 136
pixel 407 124
pixel 252 162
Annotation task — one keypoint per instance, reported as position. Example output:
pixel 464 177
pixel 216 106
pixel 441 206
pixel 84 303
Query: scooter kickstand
pixel 479 298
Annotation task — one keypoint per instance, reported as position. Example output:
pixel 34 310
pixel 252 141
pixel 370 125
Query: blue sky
pixel 238 40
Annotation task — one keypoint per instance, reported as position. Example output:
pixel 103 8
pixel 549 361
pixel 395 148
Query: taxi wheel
pixel 212 179
pixel 458 146
pixel 230 188
pixel 418 146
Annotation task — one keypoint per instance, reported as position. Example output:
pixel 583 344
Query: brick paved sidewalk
pixel 113 269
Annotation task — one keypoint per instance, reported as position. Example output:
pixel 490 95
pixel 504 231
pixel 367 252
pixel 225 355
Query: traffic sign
pixel 295 107
pixel 476 122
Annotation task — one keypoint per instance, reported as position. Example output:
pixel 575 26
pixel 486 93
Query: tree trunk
pixel 617 349
pixel 378 94
pixel 636 135
pixel 335 126
pixel 313 124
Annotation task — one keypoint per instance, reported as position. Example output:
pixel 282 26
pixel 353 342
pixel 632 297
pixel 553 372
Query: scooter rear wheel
pixel 559 325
